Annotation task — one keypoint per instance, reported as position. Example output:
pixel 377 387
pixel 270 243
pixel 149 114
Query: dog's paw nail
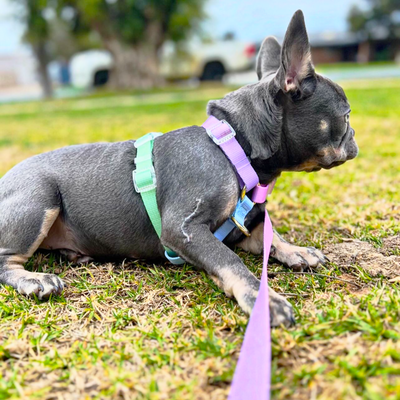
pixel 281 312
pixel 304 264
pixel 297 267
pixel 60 285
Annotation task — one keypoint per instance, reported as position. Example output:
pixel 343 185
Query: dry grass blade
pixel 314 274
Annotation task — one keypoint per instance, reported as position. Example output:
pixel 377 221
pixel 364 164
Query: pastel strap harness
pixel 253 374
pixel 144 179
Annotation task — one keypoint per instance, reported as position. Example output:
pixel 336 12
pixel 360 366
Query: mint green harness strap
pixel 144 179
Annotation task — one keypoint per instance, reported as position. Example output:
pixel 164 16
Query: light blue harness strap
pixel 176 260
pixel 224 230
pixel 243 207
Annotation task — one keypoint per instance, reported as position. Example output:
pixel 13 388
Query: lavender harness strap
pixel 252 379
pixel 224 136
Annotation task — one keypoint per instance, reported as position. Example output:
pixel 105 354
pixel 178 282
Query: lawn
pixel 135 330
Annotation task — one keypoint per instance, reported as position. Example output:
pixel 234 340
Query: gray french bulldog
pixel 81 199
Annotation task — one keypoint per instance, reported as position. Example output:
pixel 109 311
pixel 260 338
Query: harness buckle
pixel 243 193
pixel 243 207
pixel 241 227
pixel 147 180
pixel 224 138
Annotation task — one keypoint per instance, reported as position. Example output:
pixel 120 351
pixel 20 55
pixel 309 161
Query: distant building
pixel 17 69
pixel 338 47
pixel 18 78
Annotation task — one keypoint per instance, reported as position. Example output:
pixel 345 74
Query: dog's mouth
pixel 320 166
pixel 334 164
pixel 315 169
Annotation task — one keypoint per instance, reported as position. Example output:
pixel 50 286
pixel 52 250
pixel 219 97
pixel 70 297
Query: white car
pixel 90 68
pixel 204 61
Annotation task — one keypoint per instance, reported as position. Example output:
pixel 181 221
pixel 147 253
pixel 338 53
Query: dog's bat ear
pixel 269 57
pixel 296 74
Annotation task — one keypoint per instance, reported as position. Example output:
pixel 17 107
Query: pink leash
pixel 252 379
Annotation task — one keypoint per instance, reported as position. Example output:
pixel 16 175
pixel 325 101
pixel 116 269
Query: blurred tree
pixel 37 32
pixel 51 30
pixel 382 19
pixel 134 31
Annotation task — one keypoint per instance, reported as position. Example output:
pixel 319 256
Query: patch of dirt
pixel 377 262
pixel 391 246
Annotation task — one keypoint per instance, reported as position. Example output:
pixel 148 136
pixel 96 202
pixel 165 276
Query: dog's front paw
pixel 302 258
pixel 245 289
pixel 41 285
pixel 298 258
pixel 281 311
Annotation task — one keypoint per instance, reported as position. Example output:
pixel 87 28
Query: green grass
pixel 132 330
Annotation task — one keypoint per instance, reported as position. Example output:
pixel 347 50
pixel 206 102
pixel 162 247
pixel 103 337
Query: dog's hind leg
pixel 75 257
pixel 290 255
pixel 25 220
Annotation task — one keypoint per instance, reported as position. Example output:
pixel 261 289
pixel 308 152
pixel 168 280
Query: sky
pixel 256 19
pixel 248 19
pixel 11 29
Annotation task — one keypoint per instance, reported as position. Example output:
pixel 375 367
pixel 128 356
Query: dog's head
pixel 315 112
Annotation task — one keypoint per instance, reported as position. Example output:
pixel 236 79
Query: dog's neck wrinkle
pixel 289 160
pixel 229 108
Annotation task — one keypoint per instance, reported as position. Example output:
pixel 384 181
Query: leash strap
pixel 252 379
pixel 144 180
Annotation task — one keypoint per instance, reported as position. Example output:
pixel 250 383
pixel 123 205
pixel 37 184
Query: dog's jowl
pixel 81 200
